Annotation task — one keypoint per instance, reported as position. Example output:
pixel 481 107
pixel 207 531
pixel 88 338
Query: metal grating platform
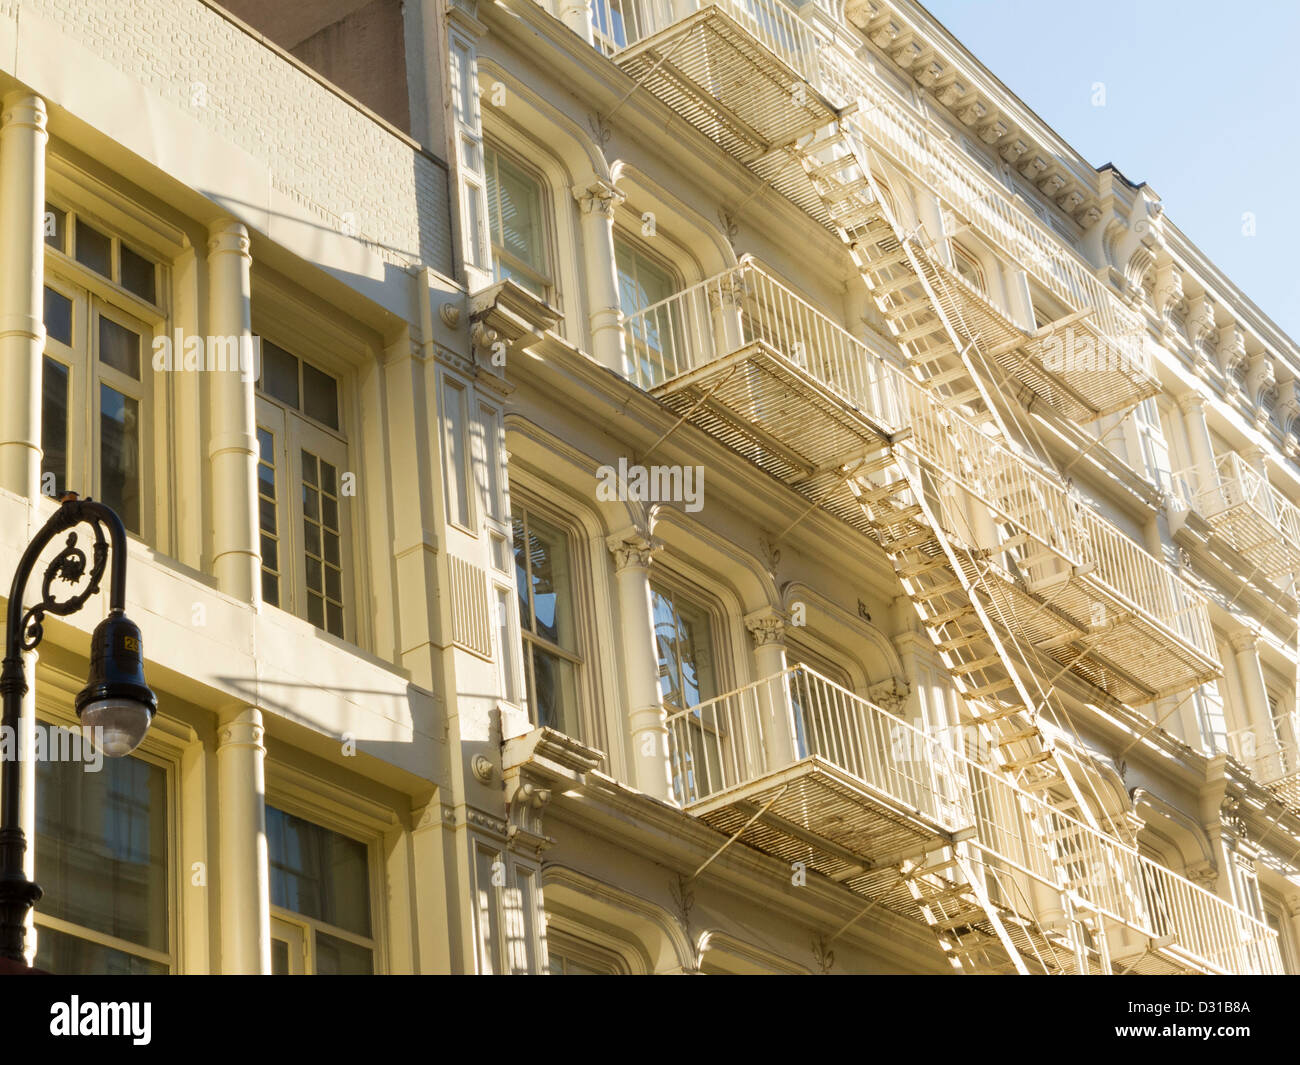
pixel 777 415
pixel 726 83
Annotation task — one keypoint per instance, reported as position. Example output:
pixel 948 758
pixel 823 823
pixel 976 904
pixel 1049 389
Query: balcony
pixel 1252 519
pixel 757 80
pixel 749 362
pixel 802 769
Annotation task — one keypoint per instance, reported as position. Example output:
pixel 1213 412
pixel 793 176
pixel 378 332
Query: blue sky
pixel 1200 103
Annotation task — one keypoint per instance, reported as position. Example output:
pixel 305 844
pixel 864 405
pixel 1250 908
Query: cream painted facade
pixel 962 636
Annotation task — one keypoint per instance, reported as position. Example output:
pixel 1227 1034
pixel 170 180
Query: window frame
pixel 649 366
pixel 296 432
pixel 528 640
pixel 93 298
pixel 495 152
pixel 345 813
pixel 156 750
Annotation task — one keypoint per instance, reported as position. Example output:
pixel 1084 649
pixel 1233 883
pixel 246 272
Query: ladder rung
pixel 952 615
pixel 893 284
pixel 964 640
pixel 943 377
pixel 1026 763
pixel 997 714
pixel 897 518
pixel 917 568
pixel 989 689
pixel 935 325
pixel 937 590
pixel 965 917
pixel 915 540
pixel 962 668
pixel 919 303
pixel 1017 737
pixel 884 491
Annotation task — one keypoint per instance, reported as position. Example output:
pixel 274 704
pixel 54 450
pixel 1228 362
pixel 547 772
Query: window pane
pixel 318 873
pixel 56 227
pixel 119 347
pixel 58 316
pixel 279 957
pixel 54 424
pixel 320 396
pixel 279 374
pixel 321 525
pixel 101 848
pixel 684 647
pixel 62 954
pixel 268 519
pixel 119 442
pixel 94 249
pixel 555 696
pixel 516 221
pixel 548 575
pixel 457 475
pixel 338 957
pixel 137 274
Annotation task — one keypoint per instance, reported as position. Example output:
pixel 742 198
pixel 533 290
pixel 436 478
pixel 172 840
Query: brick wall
pixel 352 172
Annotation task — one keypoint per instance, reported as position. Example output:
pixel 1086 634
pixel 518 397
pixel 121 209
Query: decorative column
pixel 22 278
pixel 776 714
pixel 600 202
pixel 1192 405
pixel 1245 646
pixel 647 720
pixel 577 15
pixel 726 306
pixel 244 878
pixel 232 451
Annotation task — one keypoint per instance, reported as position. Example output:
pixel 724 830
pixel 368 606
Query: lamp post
pixel 116 706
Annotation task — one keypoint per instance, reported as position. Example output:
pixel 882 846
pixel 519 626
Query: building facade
pixel 720 489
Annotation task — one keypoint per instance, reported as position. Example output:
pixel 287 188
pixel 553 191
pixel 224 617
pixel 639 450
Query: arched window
pixel 968 268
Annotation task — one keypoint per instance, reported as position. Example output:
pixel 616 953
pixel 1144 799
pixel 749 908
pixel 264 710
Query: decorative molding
pixel 600 196
pixel 634 551
pixel 890 695
pixel 766 627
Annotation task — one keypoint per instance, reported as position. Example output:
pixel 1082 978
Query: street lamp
pixel 115 699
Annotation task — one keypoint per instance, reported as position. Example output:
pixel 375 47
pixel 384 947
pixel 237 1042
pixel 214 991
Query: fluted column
pixel 1245 646
pixel 599 202
pixel 647 720
pixel 22 277
pixel 232 451
pixel 767 628
pixel 244 877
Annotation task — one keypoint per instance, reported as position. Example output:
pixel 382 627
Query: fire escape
pixel 1015 580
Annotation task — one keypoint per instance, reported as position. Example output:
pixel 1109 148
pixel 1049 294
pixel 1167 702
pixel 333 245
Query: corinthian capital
pixel 632 551
pixel 766 627
pixel 599 196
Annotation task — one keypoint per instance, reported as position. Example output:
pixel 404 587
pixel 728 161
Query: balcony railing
pixel 1255 519
pixel 710 321
pixel 736 741
pixel 885 121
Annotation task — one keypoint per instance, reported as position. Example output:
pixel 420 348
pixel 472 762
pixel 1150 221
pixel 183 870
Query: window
pixel 543 577
pixel 97 250
pixel 321 920
pixel 95 400
pixel 683 641
pixel 303 517
pixel 654 336
pixel 102 859
pixel 808 696
pixel 968 268
pixel 455 412
pixel 617 23
pixel 517 224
